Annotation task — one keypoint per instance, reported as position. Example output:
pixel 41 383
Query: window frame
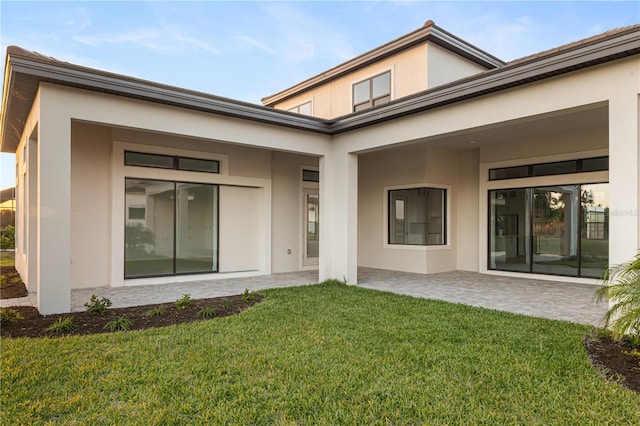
pixel 296 109
pixel 371 101
pixel 446 218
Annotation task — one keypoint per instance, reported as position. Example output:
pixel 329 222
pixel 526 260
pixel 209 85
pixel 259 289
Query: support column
pixel 339 216
pixel 54 209
pixel 624 176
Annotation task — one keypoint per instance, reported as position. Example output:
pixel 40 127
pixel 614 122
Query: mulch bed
pixel 35 325
pixel 610 357
pixel 613 359
pixel 12 286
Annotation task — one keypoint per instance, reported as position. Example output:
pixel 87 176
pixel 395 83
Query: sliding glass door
pixel 557 230
pixel 170 228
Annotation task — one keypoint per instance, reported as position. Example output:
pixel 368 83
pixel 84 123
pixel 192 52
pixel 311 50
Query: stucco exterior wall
pixel 287 217
pixel 445 67
pixel 407 167
pixel 90 205
pixel 335 98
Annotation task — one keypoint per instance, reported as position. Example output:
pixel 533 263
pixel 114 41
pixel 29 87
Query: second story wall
pixel 413 70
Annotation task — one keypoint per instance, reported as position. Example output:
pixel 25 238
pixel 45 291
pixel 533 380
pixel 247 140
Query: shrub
pixel 621 285
pixel 62 324
pixel 184 301
pixel 8 238
pixel 121 324
pixel 9 316
pixel 248 295
pixel 207 312
pixel 155 312
pixel 97 304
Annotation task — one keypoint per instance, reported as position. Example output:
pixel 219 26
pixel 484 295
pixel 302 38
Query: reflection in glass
pixel 148 237
pixel 559 230
pixel 555 230
pixel 509 230
pixel 417 216
pixel 196 230
pixel 594 244
pixel 313 225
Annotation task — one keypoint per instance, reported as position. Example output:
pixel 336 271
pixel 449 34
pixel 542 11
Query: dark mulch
pixel 35 325
pixel 11 286
pixel 614 360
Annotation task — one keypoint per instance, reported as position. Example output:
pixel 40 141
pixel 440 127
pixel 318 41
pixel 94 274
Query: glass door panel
pixel 196 228
pixel 149 214
pixel 509 230
pixel 555 230
pixel 311 227
pixel 594 244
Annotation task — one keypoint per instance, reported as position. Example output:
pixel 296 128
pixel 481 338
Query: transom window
pixel 304 108
pixel 160 161
pixel 417 216
pixel 595 164
pixel 372 92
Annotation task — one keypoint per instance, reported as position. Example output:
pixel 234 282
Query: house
pixel 7 207
pixel 519 168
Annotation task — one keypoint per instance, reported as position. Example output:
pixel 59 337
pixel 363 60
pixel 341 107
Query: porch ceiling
pixel 535 127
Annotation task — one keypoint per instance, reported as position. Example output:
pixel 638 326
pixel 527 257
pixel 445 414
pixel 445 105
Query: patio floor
pixel 548 299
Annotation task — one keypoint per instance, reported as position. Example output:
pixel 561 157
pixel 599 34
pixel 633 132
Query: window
pixel 557 230
pixel 550 169
pixel 171 228
pixel 417 216
pixel 171 162
pixel 304 108
pixel 310 175
pixel 372 92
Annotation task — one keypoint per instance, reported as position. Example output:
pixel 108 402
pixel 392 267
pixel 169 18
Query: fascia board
pixel 141 90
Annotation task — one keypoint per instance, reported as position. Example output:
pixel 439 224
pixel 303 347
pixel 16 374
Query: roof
pixel 25 70
pixel 429 32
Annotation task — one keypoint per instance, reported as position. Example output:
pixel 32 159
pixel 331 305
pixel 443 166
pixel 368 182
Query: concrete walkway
pixel 548 299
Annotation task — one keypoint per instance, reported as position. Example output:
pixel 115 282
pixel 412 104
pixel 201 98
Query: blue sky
pixel 248 50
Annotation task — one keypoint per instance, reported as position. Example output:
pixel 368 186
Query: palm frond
pixel 621 288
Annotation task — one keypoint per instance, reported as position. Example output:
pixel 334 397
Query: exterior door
pixel 311 227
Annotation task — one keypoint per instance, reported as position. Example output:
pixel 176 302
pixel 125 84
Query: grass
pixel 324 354
pixel 7 258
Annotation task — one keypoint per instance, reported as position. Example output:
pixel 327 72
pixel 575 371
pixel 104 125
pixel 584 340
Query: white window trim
pixel 385 218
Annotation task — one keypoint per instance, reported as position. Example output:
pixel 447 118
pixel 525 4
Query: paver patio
pixel 528 296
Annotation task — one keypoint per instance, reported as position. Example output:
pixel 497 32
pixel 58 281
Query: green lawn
pixel 325 354
pixel 7 258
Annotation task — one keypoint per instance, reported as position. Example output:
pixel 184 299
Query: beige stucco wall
pixel 416 69
pixel 287 218
pixel 334 99
pixel 90 205
pixel 445 67
pixel 412 166
pixel 92 194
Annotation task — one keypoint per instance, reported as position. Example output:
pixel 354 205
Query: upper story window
pixel 372 92
pixel 304 108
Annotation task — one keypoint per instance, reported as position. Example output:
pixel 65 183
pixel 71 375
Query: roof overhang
pixel 25 71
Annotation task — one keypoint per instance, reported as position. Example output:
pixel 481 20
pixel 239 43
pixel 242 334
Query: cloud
pixel 147 38
pixel 299 37
pixel 258 44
